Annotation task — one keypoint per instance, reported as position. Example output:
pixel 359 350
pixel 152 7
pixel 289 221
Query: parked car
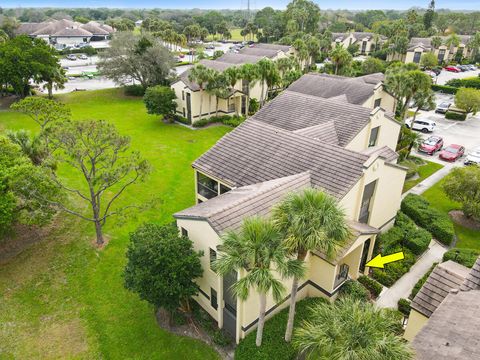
pixel 83 57
pixel 210 47
pixel 472 67
pixel 424 125
pixel 464 67
pixel 437 71
pixel 452 152
pixel 443 107
pixel 431 145
pixel 430 73
pixel 473 157
pixel 453 69
pixel 71 57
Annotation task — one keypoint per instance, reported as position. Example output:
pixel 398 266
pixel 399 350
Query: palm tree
pixel 267 74
pixel 200 75
pixel 351 329
pixel 302 51
pixel 313 49
pixel 422 99
pixel 232 75
pixel 309 220
pixel 436 42
pixel 340 57
pixel 249 73
pixel 453 41
pixel 256 250
pixel 219 87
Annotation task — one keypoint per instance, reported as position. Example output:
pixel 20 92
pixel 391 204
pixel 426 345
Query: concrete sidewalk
pixel 402 288
pixel 432 179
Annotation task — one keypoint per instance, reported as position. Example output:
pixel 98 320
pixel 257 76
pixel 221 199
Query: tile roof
pixel 383 151
pixel 258 51
pixel 453 331
pixel 28 28
pixel 295 111
pixel 472 281
pixel 445 277
pixel 94 29
pixel 227 211
pixel 357 90
pixel 325 132
pixel 239 59
pixel 74 31
pixel 256 152
pixel 426 43
pixel 284 48
pixel 53 27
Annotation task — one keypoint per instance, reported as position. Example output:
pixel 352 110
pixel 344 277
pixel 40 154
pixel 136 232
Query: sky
pixel 241 4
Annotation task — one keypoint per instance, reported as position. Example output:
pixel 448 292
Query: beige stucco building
pixel 367 42
pixel 298 140
pixel 190 97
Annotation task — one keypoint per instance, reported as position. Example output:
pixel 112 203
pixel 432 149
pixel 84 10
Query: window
pixel 377 103
pixel 183 95
pixel 231 105
pixel 441 55
pixel 183 112
pixel 224 189
pixel 213 299
pixel 213 257
pixel 366 202
pixel 207 187
pixel 184 232
pixel 373 136
pixel 416 57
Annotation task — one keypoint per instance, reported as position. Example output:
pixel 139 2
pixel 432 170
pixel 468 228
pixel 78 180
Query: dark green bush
pixel 372 285
pixel 181 119
pixel 454 115
pixel 134 90
pixel 202 318
pixel 404 306
pixel 421 281
pixel 436 222
pixel 395 270
pixel 473 82
pixel 445 89
pixel 390 241
pixel 273 344
pixel 232 121
pixel 354 289
pixel 466 257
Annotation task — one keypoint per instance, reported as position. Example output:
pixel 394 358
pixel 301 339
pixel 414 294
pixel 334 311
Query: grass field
pixel 424 172
pixel 467 238
pixel 235 36
pixel 61 298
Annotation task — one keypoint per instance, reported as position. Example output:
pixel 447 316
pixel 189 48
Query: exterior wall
pixel 387 103
pixel 410 54
pixel 416 321
pixel 72 40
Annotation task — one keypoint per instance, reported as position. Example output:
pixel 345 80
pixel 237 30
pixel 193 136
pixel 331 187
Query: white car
pixel 423 125
pixel 473 157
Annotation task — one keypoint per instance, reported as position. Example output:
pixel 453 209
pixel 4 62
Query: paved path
pixel 402 288
pixel 433 179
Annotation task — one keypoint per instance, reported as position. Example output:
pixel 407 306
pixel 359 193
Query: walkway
pixel 433 179
pixel 402 288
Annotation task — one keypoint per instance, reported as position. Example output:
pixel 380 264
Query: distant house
pixel 419 46
pixel 61 33
pixel 449 304
pixel 367 42
pixel 330 139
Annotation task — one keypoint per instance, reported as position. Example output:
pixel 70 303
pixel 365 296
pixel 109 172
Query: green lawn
pixel 63 299
pixel 235 36
pixel 467 238
pixel 424 172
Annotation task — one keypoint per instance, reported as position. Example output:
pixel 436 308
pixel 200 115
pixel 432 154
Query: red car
pixel 453 69
pixel 431 145
pixel 452 152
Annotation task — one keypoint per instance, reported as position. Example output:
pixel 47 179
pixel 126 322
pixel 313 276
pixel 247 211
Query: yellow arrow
pixel 379 260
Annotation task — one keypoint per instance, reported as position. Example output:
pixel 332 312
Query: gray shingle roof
pixel 383 151
pixel 256 51
pixel 472 281
pixel 453 331
pixel 294 111
pixel 227 211
pixel 445 277
pixel 28 28
pixel 53 27
pixel 75 31
pixel 239 59
pixel 284 48
pixel 94 29
pixel 357 90
pixel 325 132
pixel 256 152
pixel 420 42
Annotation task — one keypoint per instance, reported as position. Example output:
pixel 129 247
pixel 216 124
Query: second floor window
pixel 365 206
pixel 206 186
pixel 373 136
pixel 377 103
pixel 416 57
pixel 213 257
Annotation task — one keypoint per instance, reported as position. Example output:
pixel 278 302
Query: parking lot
pixel 444 76
pixel 466 133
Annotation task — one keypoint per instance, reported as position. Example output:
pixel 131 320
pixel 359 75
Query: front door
pixel 244 105
pixel 189 107
pixel 230 308
pixel 363 262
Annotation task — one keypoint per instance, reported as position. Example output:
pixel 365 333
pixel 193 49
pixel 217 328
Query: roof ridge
pixel 329 100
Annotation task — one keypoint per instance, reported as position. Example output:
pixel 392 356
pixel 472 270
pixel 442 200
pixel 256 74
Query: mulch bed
pixel 460 219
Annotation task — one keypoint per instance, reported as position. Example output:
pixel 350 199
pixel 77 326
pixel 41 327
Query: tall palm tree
pixel 309 220
pixel 268 75
pixel 249 73
pixel 453 41
pixel 313 49
pixel 200 75
pixel 302 51
pixel 351 329
pixel 436 42
pixel 422 99
pixel 340 57
pixel 258 251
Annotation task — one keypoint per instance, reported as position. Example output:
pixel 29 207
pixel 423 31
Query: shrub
pixel 233 121
pixel 454 115
pixel 468 99
pixel 253 106
pixel 273 343
pixel 134 90
pixel 404 306
pixel 445 89
pixel 160 100
pixel 420 211
pixel 372 285
pixel 390 241
pixel 465 257
pixel 395 270
pixel 473 82
pixel 421 281
pixel 181 119
pixel 354 289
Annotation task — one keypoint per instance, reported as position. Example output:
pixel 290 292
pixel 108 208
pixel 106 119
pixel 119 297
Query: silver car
pixel 443 107
pixel 473 157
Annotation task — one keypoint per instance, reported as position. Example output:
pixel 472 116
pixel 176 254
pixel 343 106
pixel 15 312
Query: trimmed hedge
pixel 421 281
pixel 134 90
pixel 454 115
pixel 473 82
pixel 465 257
pixel 355 290
pixel 445 89
pixel 232 121
pixel 420 211
pixel 372 285
pixel 181 119
pixel 404 306
pixel 273 343
pixel 395 270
